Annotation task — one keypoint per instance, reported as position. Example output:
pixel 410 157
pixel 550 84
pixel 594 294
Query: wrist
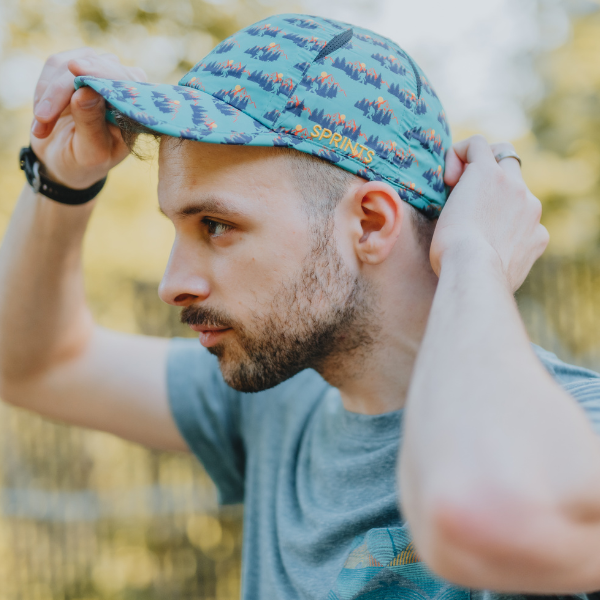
pixel 54 178
pixel 37 177
pixel 473 256
pixel 74 181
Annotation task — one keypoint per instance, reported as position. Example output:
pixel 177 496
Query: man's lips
pixel 206 328
pixel 209 336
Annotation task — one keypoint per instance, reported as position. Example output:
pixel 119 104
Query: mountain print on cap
pixel 332 90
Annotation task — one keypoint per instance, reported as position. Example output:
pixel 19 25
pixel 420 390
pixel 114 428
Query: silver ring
pixel 508 154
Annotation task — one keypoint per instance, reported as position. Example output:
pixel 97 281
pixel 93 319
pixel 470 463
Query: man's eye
pixel 215 228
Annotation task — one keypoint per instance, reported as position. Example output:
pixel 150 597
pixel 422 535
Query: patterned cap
pixel 323 87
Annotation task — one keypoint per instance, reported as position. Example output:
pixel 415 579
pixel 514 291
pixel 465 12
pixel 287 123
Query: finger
pixel 56 63
pixel 544 239
pixel 57 95
pixel 510 165
pixel 92 139
pixel 475 150
pixel 52 105
pixel 105 69
pixel 117 136
pixel 55 99
pixel 110 56
pixel 454 168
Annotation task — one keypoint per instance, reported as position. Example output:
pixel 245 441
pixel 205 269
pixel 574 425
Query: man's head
pixel 305 148
pixel 290 254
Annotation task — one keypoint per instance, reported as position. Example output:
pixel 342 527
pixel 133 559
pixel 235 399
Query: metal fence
pixel 85 516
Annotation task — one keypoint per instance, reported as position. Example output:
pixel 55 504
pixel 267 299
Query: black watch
pixel 33 168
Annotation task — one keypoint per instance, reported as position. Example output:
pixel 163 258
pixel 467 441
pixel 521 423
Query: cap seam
pixel 276 122
pixel 311 62
pixel 395 128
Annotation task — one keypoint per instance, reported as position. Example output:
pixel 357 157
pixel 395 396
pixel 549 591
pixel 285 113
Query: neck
pixel 375 380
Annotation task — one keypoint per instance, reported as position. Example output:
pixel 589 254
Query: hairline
pixel 334 180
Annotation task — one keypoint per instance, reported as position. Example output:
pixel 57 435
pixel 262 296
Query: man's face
pixel 262 283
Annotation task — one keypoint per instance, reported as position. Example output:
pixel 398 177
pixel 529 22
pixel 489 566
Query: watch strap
pixel 34 172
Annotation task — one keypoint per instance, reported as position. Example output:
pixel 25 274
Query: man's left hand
pixel 490 213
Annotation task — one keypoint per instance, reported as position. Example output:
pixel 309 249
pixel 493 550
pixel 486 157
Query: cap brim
pixel 185 112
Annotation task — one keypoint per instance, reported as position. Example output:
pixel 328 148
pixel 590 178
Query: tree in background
pixel 563 162
pixel 561 298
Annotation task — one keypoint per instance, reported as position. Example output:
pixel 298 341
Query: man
pixel 284 263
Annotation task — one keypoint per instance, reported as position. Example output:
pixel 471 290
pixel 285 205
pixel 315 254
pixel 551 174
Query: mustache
pixel 202 315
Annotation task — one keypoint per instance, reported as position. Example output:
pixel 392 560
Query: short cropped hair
pixel 321 183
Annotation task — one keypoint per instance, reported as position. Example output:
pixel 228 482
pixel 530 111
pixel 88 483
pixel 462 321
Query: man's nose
pixel 182 283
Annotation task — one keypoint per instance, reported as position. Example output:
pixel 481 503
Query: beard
pixel 316 319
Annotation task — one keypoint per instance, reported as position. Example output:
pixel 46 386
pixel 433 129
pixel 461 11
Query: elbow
pixel 14 377
pixel 18 385
pixel 505 546
pixel 11 392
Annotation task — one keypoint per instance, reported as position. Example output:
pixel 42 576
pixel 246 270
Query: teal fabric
pixel 363 105
pixel 318 482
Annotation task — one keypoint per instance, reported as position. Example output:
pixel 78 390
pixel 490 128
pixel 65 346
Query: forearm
pixel 495 455
pixel 43 314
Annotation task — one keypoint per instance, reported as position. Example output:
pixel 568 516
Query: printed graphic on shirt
pixel 383 565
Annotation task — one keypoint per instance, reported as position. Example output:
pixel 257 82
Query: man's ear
pixel 378 212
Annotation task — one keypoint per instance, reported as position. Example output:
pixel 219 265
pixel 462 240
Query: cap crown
pixel 351 96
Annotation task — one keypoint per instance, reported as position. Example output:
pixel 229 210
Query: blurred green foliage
pixel 562 154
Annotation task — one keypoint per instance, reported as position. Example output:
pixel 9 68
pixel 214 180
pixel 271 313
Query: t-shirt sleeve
pixel 207 413
pixel 582 384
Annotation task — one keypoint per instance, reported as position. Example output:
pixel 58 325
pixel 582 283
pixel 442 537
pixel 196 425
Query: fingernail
pixel 37 128
pixel 87 104
pixel 82 62
pixel 43 109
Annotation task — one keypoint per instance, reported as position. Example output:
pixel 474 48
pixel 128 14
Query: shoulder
pixel 564 373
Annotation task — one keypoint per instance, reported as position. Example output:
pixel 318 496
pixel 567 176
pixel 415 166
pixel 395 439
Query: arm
pixel 500 469
pixel 53 359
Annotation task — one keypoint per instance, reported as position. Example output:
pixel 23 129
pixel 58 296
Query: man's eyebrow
pixel 209 204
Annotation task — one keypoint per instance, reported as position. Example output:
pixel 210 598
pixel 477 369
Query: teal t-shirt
pixel 321 518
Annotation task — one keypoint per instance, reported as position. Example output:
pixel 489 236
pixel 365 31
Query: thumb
pixel 92 143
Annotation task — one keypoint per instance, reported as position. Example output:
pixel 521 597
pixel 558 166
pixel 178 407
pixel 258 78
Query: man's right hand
pixel 70 134
pixel 54 359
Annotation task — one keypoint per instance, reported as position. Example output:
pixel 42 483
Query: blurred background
pixel 84 516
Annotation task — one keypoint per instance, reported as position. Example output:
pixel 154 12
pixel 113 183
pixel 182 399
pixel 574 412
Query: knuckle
pixel 521 191
pixel 478 138
pixel 506 146
pixel 532 199
pixel 500 178
pixel 54 60
pixel 543 237
pixel 536 206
